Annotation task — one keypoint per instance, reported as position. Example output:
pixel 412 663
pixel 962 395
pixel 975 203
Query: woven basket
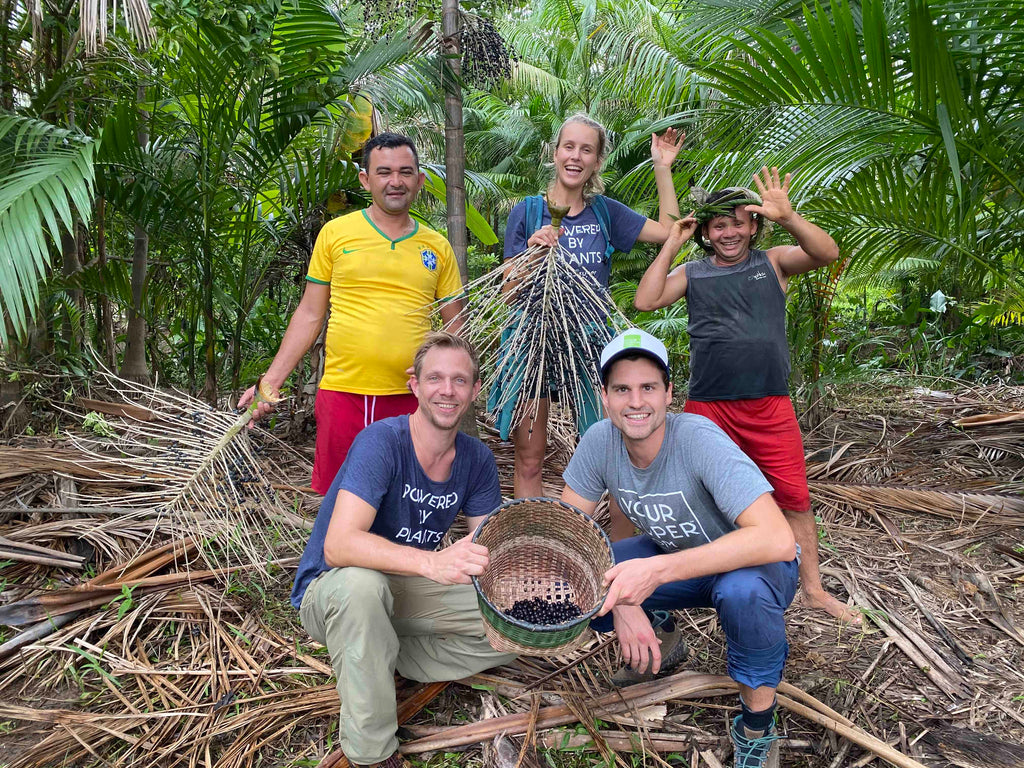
pixel 540 548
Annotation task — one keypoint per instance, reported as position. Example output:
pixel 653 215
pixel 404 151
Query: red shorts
pixel 340 416
pixel 767 431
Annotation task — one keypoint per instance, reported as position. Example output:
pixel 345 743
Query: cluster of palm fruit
pixel 381 17
pixel 537 610
pixel 486 56
pixel 539 322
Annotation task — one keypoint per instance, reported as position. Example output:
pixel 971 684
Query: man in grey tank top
pixel 739 358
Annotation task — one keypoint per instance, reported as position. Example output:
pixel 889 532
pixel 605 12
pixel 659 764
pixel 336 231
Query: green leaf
pixel 476 223
pixel 49 181
pixel 949 142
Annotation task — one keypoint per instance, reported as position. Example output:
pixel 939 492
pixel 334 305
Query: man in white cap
pixel 711 535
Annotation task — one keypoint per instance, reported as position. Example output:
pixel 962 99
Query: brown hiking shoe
pixel 674 651
pixel 397 760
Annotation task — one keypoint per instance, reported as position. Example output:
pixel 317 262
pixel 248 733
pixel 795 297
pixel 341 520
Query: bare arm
pixel 569 496
pixel 620 527
pixel 302 331
pixel 659 287
pixel 763 536
pixel 664 150
pixel 350 543
pixel 637 640
pixel 451 315
pixel 815 248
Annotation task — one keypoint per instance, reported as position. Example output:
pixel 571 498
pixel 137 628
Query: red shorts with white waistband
pixel 767 431
pixel 340 416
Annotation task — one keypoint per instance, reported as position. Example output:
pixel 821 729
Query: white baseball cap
pixel 629 342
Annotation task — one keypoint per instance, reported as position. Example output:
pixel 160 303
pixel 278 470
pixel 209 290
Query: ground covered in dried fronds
pixel 192 656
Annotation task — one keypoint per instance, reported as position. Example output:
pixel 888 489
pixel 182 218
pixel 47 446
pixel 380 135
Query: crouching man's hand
pixel 457 563
pixel 637 640
pixel 631 582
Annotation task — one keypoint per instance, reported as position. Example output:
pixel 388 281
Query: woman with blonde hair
pixel 594 228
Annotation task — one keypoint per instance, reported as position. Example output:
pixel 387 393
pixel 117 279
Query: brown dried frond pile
pixel 921 524
pixel 151 667
pixel 141 554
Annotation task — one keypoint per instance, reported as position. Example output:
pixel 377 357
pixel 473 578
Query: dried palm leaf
pixel 995 508
pixel 194 469
pixel 93 19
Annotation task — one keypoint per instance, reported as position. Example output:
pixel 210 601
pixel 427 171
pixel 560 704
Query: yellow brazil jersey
pixel 379 292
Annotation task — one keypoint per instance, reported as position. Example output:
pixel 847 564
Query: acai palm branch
pixel 539 324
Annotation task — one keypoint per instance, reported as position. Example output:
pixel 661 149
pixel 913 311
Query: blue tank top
pixel 737 327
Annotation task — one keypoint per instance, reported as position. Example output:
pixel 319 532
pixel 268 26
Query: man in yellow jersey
pixel 377 269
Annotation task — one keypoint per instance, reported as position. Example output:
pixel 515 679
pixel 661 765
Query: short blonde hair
pixel 595 184
pixel 445 340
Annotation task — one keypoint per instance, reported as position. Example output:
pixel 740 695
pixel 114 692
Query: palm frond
pixel 198 475
pixel 47 181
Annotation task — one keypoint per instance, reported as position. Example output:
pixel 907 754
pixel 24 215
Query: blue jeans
pixel 750 603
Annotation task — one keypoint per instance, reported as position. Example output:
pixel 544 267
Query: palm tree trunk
pixel 455 153
pixel 72 265
pixel 106 318
pixel 6 67
pixel 134 367
pixel 209 393
pixel 454 138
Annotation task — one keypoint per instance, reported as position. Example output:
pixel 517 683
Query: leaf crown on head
pixel 705 211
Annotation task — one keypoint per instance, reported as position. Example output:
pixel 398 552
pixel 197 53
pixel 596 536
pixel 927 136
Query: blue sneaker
pixel 753 750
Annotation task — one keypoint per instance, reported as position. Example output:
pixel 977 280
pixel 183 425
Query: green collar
pixel 415 229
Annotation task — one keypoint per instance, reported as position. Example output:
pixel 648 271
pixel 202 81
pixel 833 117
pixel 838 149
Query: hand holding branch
pixel 259 400
pixel 546 236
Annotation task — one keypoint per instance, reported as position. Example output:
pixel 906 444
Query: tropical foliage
pixel 218 151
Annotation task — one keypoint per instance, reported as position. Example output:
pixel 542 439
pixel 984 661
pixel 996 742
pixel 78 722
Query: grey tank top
pixel 737 327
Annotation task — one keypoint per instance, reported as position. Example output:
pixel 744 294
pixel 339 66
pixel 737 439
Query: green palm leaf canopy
pixel 46 180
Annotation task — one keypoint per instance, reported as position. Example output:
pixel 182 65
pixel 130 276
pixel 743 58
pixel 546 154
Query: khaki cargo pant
pixel 373 624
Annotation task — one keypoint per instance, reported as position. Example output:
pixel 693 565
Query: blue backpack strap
pixel 534 213
pixel 604 220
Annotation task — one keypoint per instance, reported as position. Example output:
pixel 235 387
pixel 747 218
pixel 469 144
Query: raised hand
pixel 775 205
pixel 457 563
pixel 665 148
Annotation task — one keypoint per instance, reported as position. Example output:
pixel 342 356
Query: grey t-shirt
pixel 692 492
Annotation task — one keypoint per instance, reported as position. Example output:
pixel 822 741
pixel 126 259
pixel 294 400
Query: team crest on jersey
pixel 429 259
